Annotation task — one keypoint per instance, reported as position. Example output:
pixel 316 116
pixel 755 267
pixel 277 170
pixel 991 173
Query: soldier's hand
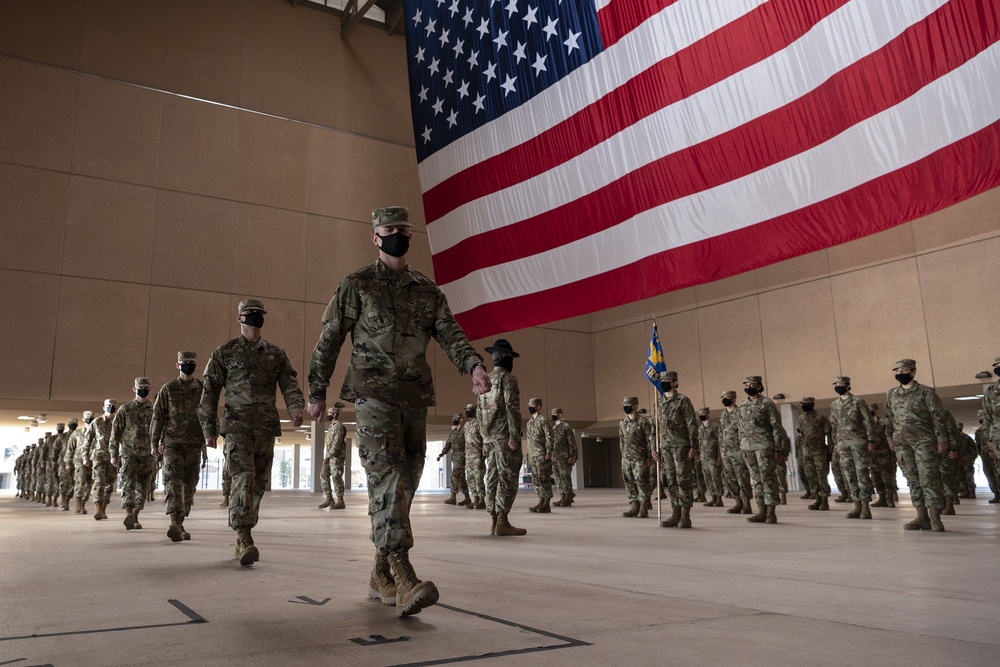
pixel 296 418
pixel 548 457
pixel 571 460
pixel 952 455
pixel 326 462
pixel 718 462
pixel 114 461
pixel 871 447
pixel 656 455
pixel 316 410
pixel 160 449
pixel 692 453
pixel 86 463
pixel 942 447
pixel 480 381
pixel 210 442
pixel 69 467
pixel 438 457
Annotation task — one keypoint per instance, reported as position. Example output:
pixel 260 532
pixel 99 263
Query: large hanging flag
pixel 578 155
pixel 654 360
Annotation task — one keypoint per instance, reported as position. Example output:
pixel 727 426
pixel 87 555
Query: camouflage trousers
pixel 699 477
pixel 40 487
pixel 82 480
pixel 883 469
pixel 762 473
pixel 800 465
pixel 713 475
pixel 248 459
pixel 635 474
pixel 502 477
pixel 951 476
pixel 331 476
pixel 989 469
pixel 227 479
pixel 562 474
pixel 458 482
pixel 475 471
pixel 679 472
pixel 135 481
pixel 52 479
pixel 181 468
pixel 838 473
pixel 855 462
pixel 104 479
pixel 781 475
pixel 541 474
pixel 817 469
pixel 392 443
pixel 921 464
pixel 65 480
pixel 736 474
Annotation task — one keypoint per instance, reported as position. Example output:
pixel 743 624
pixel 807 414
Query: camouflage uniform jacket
pixel 335 443
pixel 635 438
pixel 729 428
pixel 455 445
pixel 678 424
pixel 58 450
pixel 708 439
pixel 391 316
pixel 914 416
pixel 760 426
pixel 851 422
pixel 175 415
pixel 813 429
pixel 954 435
pixel 563 441
pixel 983 437
pixel 249 373
pixel 540 438
pixel 991 406
pixel 473 438
pixel 130 431
pixel 878 429
pixel 499 409
pixel 98 438
pixel 76 448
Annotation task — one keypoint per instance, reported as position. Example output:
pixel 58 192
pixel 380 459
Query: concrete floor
pixel 584 587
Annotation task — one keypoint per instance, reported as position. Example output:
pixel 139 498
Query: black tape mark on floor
pixel 379 639
pixel 194 617
pixel 567 642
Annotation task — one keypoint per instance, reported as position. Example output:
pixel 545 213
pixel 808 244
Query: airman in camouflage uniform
pixel 499 413
pixel 951 466
pixel 41 471
pixel 334 458
pixel 564 455
pixel 54 464
pixel 709 435
pixel 813 429
pixel 854 438
pixel 64 472
pixel 131 451
pixel 540 447
pixel 82 477
pixel 97 456
pixel 987 457
pixel 764 441
pixel 475 459
pixel 843 486
pixel 991 415
pixel 19 473
pixel 175 434
pixel 734 467
pixel 883 463
pixel 917 428
pixel 249 369
pixel 678 448
pixel 456 447
pixel 391 312
pixel 636 441
pixel 968 453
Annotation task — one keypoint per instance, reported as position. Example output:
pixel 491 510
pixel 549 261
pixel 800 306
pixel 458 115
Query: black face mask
pixel 664 387
pixel 395 245
pixel 904 378
pixel 329 418
pixel 996 369
pixel 532 409
pixel 751 391
pixel 727 402
pixel 59 430
pixel 841 389
pixel 627 409
pixel 72 427
pixel 555 418
pixel 188 367
pixel 704 418
pixel 254 318
pixel 111 410
pixel 807 407
pixel 88 420
pixel 470 413
pixel 142 393
pixel 454 422
pixel 505 363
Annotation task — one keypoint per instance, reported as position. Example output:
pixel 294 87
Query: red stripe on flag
pixel 766 30
pixel 959 171
pixel 852 95
pixel 622 17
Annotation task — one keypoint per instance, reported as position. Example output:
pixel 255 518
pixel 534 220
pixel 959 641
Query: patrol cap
pixel 630 400
pixel 457 417
pixel 808 399
pixel 667 376
pixel 556 411
pixel 88 414
pixel 753 379
pixel 110 403
pixel 980 414
pixel 142 382
pixel 873 406
pixel 60 425
pixel 470 406
pixel 391 215
pixel 842 379
pixel 502 346
pixel 996 362
pixel 537 402
pixel 246 305
pixel 729 394
pixel 72 420
pixel 335 408
pixel 905 363
pixel 704 411
pixel 186 356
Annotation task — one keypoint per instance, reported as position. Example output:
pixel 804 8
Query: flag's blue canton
pixel 654 361
pixel 472 61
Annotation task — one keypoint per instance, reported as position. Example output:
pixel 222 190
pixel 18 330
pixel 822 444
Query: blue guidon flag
pixel 576 155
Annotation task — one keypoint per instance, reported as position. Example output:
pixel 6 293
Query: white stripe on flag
pixel 952 107
pixel 646 45
pixel 859 29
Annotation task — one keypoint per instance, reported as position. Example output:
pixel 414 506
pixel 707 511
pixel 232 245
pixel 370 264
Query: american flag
pixel 578 155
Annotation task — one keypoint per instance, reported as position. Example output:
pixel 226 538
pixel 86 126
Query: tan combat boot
pixel 412 594
pixel 935 520
pixel 493 523
pixel 537 506
pixel 737 508
pixel 747 507
pixel 633 509
pixel 137 526
pixel 545 508
pixel 79 507
pixel 467 501
pixel 710 502
pixel 65 503
pixel 673 519
pixel 816 505
pixel 922 522
pixel 806 496
pixel 505 529
pixel 842 498
pixel 338 504
pixel 662 494
pixel 245 549
pixel 326 503
pixel 760 516
pixel 718 501
pixel 881 502
pixel 855 513
pixel 866 512
pixel 826 504
pixel 784 499
pixel 48 501
pixel 83 506
pixel 481 503
pixel 644 510
pixel 772 516
pixel 685 521
pixel 452 499
pixel 175 531
pixel 99 512
pixel 473 503
pixel 949 507
pixel 381 585
pixel 890 501
pixel 129 519
pixel 225 501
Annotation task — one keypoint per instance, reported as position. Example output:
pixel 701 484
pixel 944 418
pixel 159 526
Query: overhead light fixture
pixel 969 398
pixel 778 397
pixel 26 418
pixel 42 418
